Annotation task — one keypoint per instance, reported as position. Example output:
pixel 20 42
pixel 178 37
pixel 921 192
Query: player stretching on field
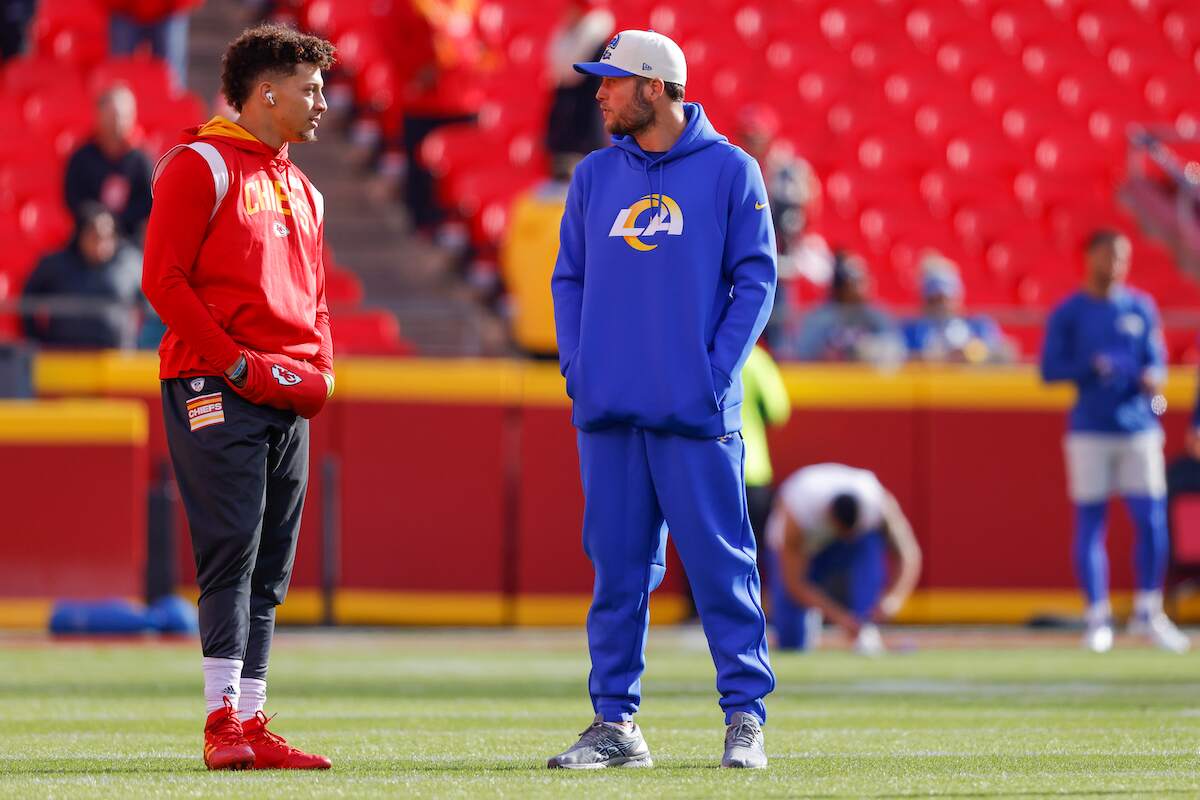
pixel 1106 340
pixel 664 281
pixel 828 537
pixel 233 267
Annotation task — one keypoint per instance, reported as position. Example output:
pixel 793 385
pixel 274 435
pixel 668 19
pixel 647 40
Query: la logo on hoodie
pixel 665 216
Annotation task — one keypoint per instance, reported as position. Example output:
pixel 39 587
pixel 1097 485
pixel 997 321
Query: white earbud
pixel 270 98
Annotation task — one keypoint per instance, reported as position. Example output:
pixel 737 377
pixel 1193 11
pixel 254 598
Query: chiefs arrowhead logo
pixel 284 376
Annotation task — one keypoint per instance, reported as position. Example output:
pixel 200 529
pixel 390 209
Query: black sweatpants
pixel 242 471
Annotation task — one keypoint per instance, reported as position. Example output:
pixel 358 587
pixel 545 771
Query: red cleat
pixel 225 746
pixel 271 751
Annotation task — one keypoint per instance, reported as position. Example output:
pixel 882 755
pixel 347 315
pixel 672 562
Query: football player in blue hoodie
pixel 664 281
pixel 1106 339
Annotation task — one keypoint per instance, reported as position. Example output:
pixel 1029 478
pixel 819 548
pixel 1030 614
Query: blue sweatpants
pixel 1151 546
pixel 638 483
pixel 853 572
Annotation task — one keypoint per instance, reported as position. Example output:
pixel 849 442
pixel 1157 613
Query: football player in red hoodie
pixel 233 267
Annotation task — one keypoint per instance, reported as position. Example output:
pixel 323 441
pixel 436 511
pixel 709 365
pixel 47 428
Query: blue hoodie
pixel 1104 346
pixel 664 281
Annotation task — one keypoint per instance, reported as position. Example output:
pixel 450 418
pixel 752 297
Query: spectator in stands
pixel 942 332
pixel 110 169
pixel 443 64
pixel 829 534
pixel 793 193
pixel 848 327
pixel 89 294
pixel 15 16
pixel 162 24
pixel 575 126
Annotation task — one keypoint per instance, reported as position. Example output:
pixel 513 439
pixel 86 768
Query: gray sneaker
pixel 744 743
pixel 602 746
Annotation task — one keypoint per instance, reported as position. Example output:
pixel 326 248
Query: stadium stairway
pixel 400 272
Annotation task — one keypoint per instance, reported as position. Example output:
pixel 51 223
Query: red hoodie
pixel 239 271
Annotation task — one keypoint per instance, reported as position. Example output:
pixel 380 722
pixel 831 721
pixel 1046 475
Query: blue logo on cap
pixel 608 50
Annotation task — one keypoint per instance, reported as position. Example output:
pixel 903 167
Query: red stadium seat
pixel 1083 92
pixel 1107 131
pixel 1102 29
pixel 909 88
pixel 895 155
pixel 820 87
pixel 999 87
pixel 1037 192
pixel 180 112
pixel 1045 286
pixel 45 222
pixel 148 78
pixel 1181 26
pixel 40 177
pixel 861 115
pixel 845 24
pixel 884 228
pixel 849 192
pixel 1134 66
pixel 939 123
pixel 1071 223
pixel 343 289
pixel 962 60
pixel 19 255
pixel 1017 25
pixel 1024 124
pixel 28 74
pixel 1072 156
pixel 983 156
pixel 931 24
pixel 945 192
pixel 453 147
pixel 369 332
pixel 1047 62
pixel 978 226
pixel 1009 258
pixel 54 109
pixel 71 33
pixel 333 17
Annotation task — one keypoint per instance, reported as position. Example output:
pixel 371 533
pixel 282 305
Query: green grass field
pixel 475 714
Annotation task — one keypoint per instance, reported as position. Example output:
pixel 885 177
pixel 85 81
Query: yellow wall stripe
pixel 73 422
pixel 25 613
pixel 363 607
pixel 537 383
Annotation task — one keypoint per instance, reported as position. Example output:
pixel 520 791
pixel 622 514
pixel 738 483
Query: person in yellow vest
pixel 765 402
pixel 527 259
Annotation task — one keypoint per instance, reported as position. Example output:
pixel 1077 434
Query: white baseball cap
pixel 644 53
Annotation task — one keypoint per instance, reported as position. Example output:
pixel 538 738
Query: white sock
pixel 222 678
pixel 624 726
pixel 1098 613
pixel 1148 603
pixel 254 697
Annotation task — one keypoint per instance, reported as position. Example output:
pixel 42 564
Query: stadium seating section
pixel 51 93
pixel 991 130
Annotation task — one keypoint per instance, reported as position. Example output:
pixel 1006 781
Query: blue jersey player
pixel 1106 339
pixel 664 281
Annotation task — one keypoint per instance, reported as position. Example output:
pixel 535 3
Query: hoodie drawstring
pixel 662 171
pixel 656 200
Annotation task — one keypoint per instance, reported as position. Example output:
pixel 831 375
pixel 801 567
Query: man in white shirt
pixel 828 538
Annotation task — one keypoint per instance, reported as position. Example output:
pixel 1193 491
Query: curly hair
pixel 268 48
